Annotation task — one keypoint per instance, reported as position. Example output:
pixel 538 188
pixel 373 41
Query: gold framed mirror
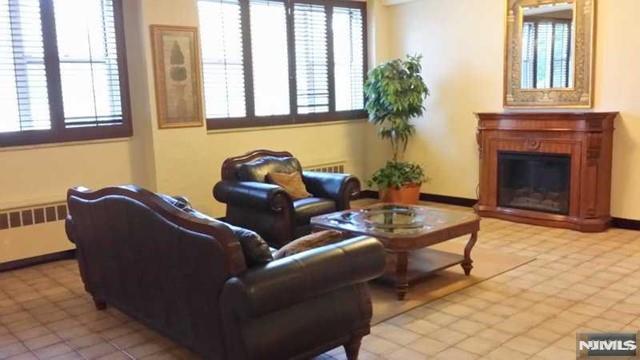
pixel 549 54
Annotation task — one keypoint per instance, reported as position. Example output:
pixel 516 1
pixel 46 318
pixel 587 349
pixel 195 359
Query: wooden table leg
pixel 402 282
pixel 467 263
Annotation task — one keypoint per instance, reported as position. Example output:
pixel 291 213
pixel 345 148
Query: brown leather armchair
pixel 187 276
pixel 266 208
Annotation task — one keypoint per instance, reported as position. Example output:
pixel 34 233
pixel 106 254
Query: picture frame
pixel 176 64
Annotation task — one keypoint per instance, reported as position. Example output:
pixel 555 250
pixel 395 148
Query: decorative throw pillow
pixel 311 241
pixel 291 183
pixel 254 248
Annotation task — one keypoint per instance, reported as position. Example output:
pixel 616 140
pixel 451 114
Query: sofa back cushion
pixel 257 170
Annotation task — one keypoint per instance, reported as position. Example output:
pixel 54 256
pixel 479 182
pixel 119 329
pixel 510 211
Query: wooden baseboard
pixel 36 260
pixel 628 224
pixel 368 194
pixel 451 200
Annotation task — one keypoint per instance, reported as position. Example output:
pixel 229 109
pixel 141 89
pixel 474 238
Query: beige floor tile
pixel 440 318
pixel 422 327
pixel 505 353
pixel 556 353
pixel 427 346
pixel 406 354
pixel 525 345
pixel 495 335
pixel 379 346
pixel 478 345
pixel 455 353
pixel 448 336
pixel 395 334
pixel 468 327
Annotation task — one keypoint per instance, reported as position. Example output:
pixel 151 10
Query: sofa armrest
pixel 252 195
pixel 339 187
pixel 294 279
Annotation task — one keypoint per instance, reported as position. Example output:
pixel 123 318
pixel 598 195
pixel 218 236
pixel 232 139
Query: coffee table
pixel 406 232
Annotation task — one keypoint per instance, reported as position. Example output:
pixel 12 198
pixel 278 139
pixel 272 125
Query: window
pixel 271 62
pixel 546 53
pixel 62 74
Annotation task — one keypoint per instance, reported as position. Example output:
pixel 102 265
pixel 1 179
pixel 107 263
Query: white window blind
pixel 546 54
pixel 528 49
pixel 270 62
pixel 269 48
pixel 24 99
pixel 222 58
pixel 543 55
pixel 348 45
pixel 88 62
pixel 561 54
pixel 312 66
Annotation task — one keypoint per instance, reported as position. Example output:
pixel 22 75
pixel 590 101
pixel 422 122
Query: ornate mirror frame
pixel 581 94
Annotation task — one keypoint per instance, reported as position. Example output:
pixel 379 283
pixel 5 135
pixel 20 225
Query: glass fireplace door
pixel 534 181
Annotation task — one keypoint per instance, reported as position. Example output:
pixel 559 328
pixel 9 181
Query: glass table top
pixel 394 219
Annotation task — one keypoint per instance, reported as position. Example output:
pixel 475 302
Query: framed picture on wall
pixel 177 76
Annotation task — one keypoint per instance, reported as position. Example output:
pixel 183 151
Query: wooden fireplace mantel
pixel 586 137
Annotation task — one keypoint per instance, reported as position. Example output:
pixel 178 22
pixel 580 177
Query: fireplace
pixel 550 169
pixel 537 182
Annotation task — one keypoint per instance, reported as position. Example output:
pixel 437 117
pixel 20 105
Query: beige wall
pixel 38 175
pixel 462 44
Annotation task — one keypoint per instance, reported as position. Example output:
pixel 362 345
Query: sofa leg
pixel 352 348
pixel 100 304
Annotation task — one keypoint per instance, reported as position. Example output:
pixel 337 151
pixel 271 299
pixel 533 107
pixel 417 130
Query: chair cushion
pixel 307 208
pixel 291 183
pixel 311 241
pixel 258 169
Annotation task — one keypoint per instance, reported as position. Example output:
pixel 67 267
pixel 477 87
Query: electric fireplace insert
pixel 534 181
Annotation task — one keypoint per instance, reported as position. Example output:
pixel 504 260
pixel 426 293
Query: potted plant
pixel 395 93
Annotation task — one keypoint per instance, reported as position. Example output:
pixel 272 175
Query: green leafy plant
pixel 395 174
pixel 395 93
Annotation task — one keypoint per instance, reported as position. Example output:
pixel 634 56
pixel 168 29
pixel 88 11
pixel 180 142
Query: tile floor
pixel 578 282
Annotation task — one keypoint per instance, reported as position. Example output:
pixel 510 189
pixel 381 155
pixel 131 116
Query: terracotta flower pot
pixel 407 194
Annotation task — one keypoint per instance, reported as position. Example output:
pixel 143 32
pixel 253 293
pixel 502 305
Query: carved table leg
pixel 467 263
pixel 402 283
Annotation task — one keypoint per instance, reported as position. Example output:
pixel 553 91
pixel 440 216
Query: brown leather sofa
pixel 187 276
pixel 266 208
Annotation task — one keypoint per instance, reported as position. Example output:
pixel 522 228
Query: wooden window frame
pixel 250 120
pixel 59 133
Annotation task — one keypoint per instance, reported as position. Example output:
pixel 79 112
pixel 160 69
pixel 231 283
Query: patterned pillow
pixel 311 241
pixel 291 183
pixel 256 251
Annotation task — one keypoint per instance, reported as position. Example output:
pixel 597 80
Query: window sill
pixel 61 144
pixel 284 126
pixel 284 120
pixel 28 139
